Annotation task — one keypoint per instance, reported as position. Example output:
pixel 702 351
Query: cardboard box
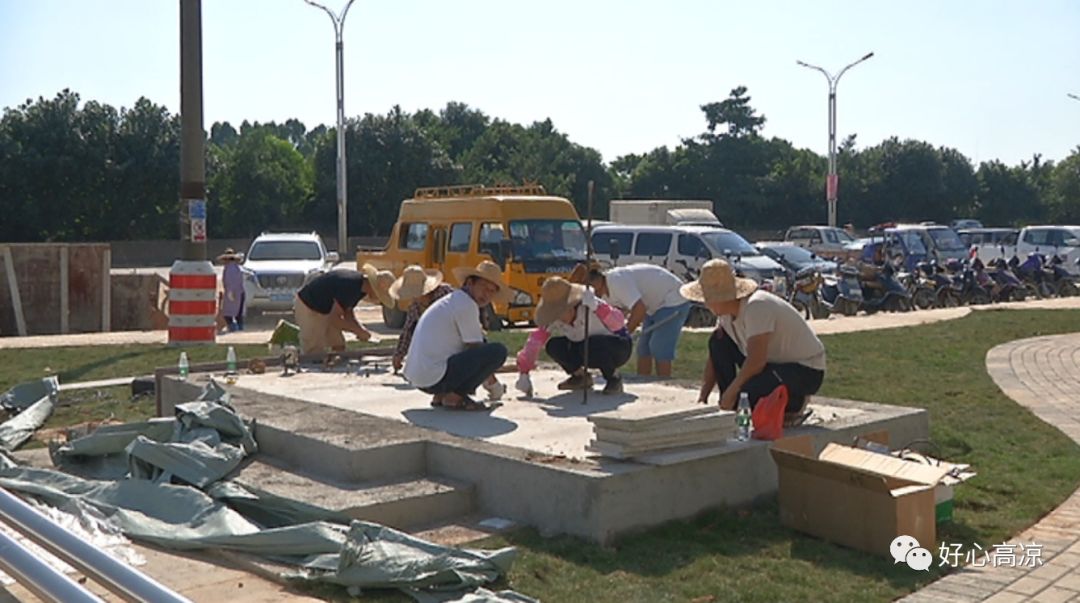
pixel 854 497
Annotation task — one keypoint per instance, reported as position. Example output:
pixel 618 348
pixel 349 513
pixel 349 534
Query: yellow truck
pixel 530 234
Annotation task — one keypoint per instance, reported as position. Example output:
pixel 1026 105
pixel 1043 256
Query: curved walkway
pixel 1043 375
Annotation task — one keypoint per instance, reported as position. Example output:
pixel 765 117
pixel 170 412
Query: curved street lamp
pixel 342 197
pixel 831 181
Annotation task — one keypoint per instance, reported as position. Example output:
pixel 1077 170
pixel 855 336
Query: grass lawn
pixel 1026 468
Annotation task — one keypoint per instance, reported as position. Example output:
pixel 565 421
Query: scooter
pixel 1064 282
pixel 945 294
pixel 806 296
pixel 842 291
pixel 999 280
pixel 881 291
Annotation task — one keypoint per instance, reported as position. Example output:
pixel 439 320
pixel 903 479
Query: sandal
pixel 466 403
pixel 437 400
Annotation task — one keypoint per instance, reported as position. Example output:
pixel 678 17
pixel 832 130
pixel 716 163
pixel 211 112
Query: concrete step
pixel 404 503
pixel 457 531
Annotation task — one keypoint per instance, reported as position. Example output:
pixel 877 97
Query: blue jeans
pixel 660 332
pixel 465 371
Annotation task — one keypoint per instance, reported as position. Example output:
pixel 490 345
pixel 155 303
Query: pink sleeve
pixel 526 358
pixel 612 318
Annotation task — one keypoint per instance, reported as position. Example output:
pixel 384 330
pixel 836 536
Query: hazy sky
pixel 989 78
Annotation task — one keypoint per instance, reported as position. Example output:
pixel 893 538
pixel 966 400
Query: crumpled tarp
pixel 362 554
pixel 202 444
pixel 480 595
pixel 23 395
pixel 35 403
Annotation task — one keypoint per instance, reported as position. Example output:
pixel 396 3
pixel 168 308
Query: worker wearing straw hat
pixel 449 357
pixel 324 306
pixel 762 341
pixel 414 292
pixel 560 318
pixel 232 283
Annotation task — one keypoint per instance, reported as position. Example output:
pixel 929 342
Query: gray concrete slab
pixel 553 422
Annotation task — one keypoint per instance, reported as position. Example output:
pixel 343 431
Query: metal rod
pixel 342 173
pixel 45 581
pixel 120 578
pixel 588 262
pixel 832 180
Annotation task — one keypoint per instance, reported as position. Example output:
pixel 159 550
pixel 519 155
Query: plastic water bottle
pixel 742 418
pixel 230 361
pixel 183 366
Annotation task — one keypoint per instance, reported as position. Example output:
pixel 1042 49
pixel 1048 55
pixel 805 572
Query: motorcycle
pixel 806 295
pixel 881 290
pixel 999 281
pixel 1034 274
pixel 966 284
pixel 1064 282
pixel 842 292
pixel 945 294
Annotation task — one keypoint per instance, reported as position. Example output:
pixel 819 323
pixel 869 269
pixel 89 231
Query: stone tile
pixel 1028 585
pixel 1006 597
pixel 1070 581
pixel 1055 595
pixel 1050 571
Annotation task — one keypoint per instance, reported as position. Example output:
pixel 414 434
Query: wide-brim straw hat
pixel 580 274
pixel 718 283
pixel 414 282
pixel 230 255
pixel 489 271
pixel 556 296
pixel 380 282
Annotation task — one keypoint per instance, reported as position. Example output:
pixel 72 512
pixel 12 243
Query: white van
pixel 681 249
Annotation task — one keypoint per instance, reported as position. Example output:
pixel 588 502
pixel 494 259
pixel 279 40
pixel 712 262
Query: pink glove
pixel 526 358
pixel 612 318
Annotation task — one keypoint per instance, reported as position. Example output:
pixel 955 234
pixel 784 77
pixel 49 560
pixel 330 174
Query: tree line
pixel 74 171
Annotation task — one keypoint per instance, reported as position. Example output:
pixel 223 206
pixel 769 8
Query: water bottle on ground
pixel 230 366
pixel 183 366
pixel 742 418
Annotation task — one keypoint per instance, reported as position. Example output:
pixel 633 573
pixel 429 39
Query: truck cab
pixel 531 235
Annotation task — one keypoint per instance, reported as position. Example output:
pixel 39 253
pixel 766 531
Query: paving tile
pixel 1028 585
pixel 1055 595
pixel 1006 597
pixel 1070 581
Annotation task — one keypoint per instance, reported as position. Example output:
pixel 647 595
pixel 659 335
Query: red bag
pixel 768 416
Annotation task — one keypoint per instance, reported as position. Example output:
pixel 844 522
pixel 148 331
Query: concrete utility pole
pixel 192 158
pixel 342 196
pixel 832 181
pixel 192 280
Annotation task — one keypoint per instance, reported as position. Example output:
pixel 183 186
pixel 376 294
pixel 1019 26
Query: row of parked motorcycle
pixel 866 287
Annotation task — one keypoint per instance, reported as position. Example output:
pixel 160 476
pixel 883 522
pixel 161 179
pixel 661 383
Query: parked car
pixel 918 241
pixel 278 264
pixel 795 258
pixel 988 236
pixel 681 249
pixel 826 241
pixel 1044 239
pixel 964 224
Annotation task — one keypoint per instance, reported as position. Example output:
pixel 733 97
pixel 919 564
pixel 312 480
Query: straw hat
pixel 488 271
pixel 580 273
pixel 413 283
pixel 718 283
pixel 556 296
pixel 380 282
pixel 229 255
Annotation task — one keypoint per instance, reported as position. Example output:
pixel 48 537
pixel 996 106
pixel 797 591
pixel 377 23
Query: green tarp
pixel 34 402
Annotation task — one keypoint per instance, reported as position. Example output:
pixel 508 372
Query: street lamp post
pixel 342 197
pixel 831 183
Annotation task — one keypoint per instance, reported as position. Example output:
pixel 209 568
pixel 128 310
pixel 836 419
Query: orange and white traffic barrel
pixel 192 303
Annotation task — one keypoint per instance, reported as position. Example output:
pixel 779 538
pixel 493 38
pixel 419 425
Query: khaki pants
pixel 317 331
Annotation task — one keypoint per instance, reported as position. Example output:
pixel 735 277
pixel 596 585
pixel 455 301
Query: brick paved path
pixel 1042 374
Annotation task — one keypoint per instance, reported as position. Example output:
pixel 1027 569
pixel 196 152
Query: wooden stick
pixel 13 288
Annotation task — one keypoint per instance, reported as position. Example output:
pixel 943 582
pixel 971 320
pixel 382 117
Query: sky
pixel 989 78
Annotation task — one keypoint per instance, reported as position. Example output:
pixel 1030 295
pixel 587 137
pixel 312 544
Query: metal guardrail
pixel 45 581
pixel 115 575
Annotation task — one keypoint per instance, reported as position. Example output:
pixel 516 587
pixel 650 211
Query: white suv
pixel 278 264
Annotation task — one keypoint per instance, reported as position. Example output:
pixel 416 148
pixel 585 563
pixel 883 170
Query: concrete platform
pixel 525 460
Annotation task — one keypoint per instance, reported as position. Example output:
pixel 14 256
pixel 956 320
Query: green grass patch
pixel 1026 468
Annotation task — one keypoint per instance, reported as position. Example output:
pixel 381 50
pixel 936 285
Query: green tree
pixel 1064 194
pixel 259 182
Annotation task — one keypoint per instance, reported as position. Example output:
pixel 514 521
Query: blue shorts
pixel 660 332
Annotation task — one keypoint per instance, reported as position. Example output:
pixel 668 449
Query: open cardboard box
pixel 855 497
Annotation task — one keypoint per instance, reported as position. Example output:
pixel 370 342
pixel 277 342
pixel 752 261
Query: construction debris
pixel 638 430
